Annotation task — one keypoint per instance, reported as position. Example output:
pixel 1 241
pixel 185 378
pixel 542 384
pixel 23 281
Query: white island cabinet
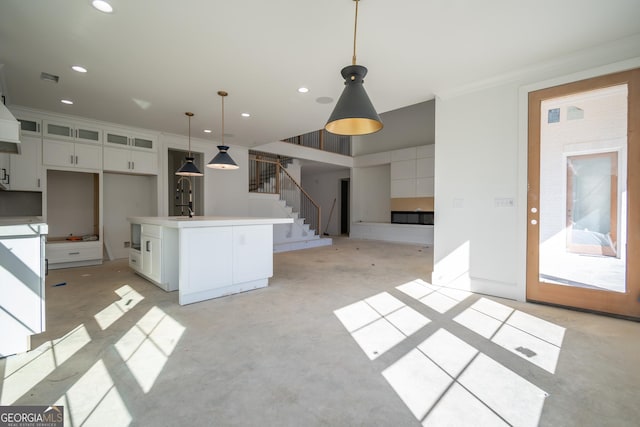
pixel 205 257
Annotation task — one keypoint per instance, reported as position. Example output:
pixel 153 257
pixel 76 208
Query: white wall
pixel 125 196
pixel 371 194
pixel 324 188
pixel 405 127
pixel 476 162
pixel 481 155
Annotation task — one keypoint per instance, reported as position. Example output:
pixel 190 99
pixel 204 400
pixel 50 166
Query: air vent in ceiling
pixel 49 77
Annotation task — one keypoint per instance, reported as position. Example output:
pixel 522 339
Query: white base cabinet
pixel 22 290
pixel 156 259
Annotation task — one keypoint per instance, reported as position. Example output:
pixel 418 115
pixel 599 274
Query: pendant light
pixel 189 168
pixel 222 160
pixel 354 114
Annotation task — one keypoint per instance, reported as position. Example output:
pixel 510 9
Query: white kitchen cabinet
pixel 22 291
pixel 71 131
pixel 124 138
pixel 26 168
pixel 156 260
pixel 71 154
pixel 63 254
pixel 29 125
pixel 130 161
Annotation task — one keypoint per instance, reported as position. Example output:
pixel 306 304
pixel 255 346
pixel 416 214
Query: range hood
pixel 9 131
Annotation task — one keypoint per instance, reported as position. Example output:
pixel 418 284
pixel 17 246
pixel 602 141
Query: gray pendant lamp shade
pixel 222 160
pixel 354 114
pixel 189 168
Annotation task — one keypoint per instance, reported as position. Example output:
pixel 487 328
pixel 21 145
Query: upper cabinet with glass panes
pixel 71 131
pixel 29 125
pixel 124 138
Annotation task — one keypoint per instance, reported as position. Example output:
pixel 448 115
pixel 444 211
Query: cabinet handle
pixel 76 132
pixel 134 261
pixel 133 165
pixel 38 182
pixel 74 253
pixel 4 174
pixel 38 127
pixel 72 159
pixel 76 160
pixel 148 245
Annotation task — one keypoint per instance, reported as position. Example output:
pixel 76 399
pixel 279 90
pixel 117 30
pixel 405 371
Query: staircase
pixel 274 193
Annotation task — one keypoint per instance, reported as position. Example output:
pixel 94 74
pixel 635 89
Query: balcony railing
pixel 323 140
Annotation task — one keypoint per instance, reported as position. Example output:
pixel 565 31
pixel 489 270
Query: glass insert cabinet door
pixel 583 210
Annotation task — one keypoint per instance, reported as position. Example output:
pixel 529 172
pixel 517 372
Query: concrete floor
pixel 119 351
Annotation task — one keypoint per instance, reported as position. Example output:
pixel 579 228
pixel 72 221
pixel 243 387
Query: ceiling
pixel 151 60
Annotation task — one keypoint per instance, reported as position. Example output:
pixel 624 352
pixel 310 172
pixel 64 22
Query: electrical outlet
pixel 127 244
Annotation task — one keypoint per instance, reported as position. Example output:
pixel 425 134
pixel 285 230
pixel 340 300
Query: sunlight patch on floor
pixel 25 370
pixel 129 297
pixel 380 322
pixel 533 339
pixel 445 380
pixel 94 400
pixel 146 347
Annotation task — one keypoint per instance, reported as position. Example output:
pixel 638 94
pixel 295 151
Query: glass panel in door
pixel 581 201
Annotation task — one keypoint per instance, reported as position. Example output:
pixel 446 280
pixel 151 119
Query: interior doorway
pixel 584 195
pixel 182 191
pixel 344 206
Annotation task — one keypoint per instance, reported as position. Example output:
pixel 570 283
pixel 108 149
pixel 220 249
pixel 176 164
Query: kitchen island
pixel 203 257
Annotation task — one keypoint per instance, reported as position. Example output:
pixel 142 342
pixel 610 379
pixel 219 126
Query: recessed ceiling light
pixel 246 115
pixel 67 101
pixel 79 68
pixel 207 131
pixel 102 6
pixel 303 89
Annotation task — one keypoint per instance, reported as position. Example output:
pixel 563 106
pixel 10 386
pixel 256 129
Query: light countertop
pixel 206 221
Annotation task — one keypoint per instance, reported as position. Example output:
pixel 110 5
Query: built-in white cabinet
pixel 71 155
pixel 123 138
pixel 130 161
pixel 71 131
pixel 30 125
pixel 26 167
pixel 156 259
pixel 412 172
pixel 63 254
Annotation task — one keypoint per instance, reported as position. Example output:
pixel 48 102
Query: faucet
pixel 180 194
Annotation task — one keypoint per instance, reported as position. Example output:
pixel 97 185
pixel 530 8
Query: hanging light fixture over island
pixel 222 160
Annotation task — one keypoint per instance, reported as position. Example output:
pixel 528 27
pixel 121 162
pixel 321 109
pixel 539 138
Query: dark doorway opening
pixel 344 206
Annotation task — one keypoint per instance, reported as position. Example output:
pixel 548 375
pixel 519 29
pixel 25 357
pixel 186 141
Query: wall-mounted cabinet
pixel 130 161
pixel 412 171
pixel 29 125
pixel 71 155
pixel 71 131
pixel 26 168
pixel 122 138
